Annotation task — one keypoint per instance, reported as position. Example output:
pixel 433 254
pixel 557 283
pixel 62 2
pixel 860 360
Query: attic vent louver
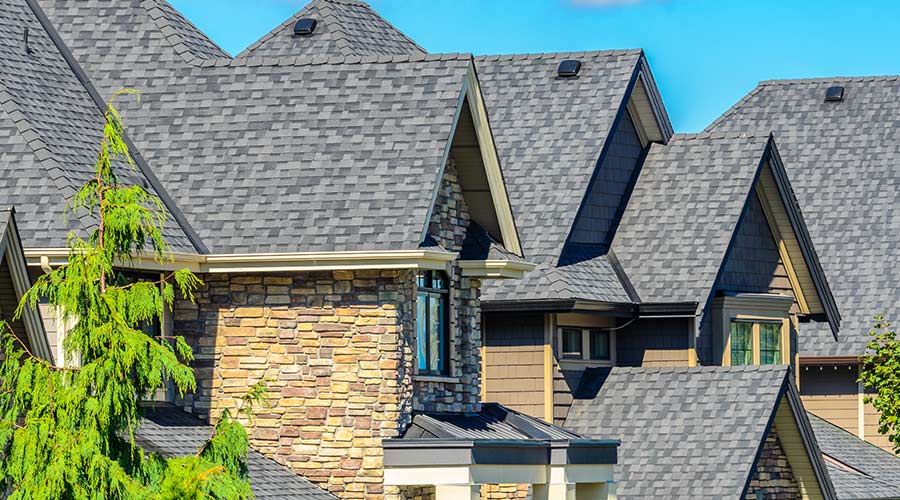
pixel 835 93
pixel 304 26
pixel 568 68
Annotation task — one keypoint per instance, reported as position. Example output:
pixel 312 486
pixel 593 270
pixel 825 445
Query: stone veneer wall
pixel 461 391
pixel 336 352
pixel 774 477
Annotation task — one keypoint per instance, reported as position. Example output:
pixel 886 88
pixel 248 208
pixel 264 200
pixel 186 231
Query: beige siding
pixel 514 352
pixel 792 443
pixel 871 427
pixel 831 393
pixel 654 343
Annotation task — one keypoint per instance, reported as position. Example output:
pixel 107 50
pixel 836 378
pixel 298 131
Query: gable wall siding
pixel 774 477
pixel 610 187
pixel 831 393
pixel 514 361
pixel 654 343
pixel 754 264
pixel 9 301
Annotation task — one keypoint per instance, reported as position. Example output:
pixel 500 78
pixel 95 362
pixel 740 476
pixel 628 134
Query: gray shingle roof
pixel 842 160
pixel 173 433
pixel 678 427
pixel 312 156
pixel 683 213
pixel 344 27
pixel 875 473
pixel 50 129
pixel 549 134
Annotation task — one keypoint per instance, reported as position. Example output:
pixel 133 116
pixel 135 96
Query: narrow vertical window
pixel 432 322
pixel 741 343
pixel 600 345
pixel 571 343
pixel 770 344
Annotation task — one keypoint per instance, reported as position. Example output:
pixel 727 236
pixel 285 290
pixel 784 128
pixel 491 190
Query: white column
pixel 457 492
pixel 554 491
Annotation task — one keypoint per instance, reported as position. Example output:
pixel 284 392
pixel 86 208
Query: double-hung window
pixel 755 329
pixel 432 322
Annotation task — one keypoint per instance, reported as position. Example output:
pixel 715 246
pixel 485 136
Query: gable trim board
pixel 11 250
pixel 771 160
pixel 139 161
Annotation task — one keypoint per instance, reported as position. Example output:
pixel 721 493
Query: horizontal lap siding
pixel 514 350
pixel 9 301
pixel 830 393
pixel 654 343
pixel 871 428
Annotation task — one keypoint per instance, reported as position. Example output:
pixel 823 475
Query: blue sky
pixel 705 54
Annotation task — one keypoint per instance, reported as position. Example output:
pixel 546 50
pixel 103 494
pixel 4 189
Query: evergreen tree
pixel 67 431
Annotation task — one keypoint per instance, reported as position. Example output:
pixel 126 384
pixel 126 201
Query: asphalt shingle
pixel 685 432
pixel 173 433
pixel 842 161
pixel 50 129
pixel 344 27
pixel 549 133
pixel 863 471
pixel 683 213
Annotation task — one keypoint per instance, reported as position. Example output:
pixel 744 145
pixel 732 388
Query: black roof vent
pixel 304 26
pixel 569 68
pixel 835 93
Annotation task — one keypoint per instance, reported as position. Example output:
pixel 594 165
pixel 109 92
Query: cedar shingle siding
pixel 515 371
pixel 610 187
pixel 754 264
pixel 653 342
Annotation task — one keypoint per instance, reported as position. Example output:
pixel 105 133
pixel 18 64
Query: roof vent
pixel 569 68
pixel 304 26
pixel 835 93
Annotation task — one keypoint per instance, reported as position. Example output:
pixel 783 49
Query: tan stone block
pixel 343 275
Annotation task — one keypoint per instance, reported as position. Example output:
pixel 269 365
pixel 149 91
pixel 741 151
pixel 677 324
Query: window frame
pixel 584 357
pixel 755 309
pixel 445 296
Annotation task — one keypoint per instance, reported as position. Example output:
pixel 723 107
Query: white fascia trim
pixel 273 262
pixel 495 268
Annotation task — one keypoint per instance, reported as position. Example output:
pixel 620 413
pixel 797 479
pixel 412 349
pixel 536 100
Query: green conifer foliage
pixel 67 431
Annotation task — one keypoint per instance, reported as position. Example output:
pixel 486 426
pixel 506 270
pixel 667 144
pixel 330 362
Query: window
pixel 571 343
pixel 756 343
pixel 585 344
pixel 769 344
pixel 741 343
pixel 432 322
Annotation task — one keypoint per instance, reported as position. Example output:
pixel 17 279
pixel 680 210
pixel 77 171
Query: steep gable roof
pixel 550 133
pixel 686 210
pixel 842 160
pixel 859 470
pixel 344 27
pixel 52 125
pixel 689 432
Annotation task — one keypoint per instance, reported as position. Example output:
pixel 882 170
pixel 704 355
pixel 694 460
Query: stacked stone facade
pixel 774 477
pixel 335 351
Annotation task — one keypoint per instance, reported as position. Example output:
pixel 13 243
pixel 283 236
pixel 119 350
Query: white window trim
pixel 586 347
pixel 752 308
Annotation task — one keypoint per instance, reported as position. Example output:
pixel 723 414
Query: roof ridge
pixel 796 81
pixel 554 55
pixel 318 59
pixel 734 108
pixel 171 35
pixel 713 134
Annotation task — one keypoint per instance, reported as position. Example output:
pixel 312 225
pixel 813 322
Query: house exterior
pixel 460 276
pixel 840 155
